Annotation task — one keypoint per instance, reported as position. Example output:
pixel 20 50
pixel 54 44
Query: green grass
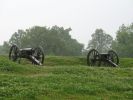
pixel 65 78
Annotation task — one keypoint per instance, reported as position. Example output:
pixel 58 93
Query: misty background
pixel 83 16
pixel 67 27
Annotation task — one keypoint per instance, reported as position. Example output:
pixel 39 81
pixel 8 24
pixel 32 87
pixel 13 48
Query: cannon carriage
pixel 94 58
pixel 35 55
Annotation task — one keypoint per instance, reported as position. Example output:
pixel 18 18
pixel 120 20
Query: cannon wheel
pixel 93 57
pixel 39 54
pixel 113 57
pixel 14 53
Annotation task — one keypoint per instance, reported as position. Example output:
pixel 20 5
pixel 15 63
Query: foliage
pixel 1 49
pixel 124 41
pixel 54 41
pixel 73 81
pixel 100 41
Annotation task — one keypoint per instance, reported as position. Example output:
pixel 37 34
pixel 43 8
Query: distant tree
pixel 54 41
pixel 1 49
pixel 5 47
pixel 100 41
pixel 123 43
pixel 17 38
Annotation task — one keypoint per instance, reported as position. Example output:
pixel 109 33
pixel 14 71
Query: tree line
pixel 58 41
pixel 54 41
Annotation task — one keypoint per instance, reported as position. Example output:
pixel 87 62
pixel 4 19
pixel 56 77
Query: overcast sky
pixel 83 16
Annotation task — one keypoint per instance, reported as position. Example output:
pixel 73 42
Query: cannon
pixel 35 55
pixel 94 58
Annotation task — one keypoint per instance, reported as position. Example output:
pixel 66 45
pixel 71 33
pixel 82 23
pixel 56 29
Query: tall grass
pixel 65 78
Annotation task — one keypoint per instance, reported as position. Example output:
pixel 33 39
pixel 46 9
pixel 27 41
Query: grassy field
pixel 65 78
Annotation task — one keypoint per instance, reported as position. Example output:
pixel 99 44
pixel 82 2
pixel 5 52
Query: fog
pixel 83 16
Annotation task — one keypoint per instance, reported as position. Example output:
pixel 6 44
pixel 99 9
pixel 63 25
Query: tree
pixel 100 41
pixel 17 38
pixel 123 43
pixel 1 50
pixel 55 40
pixel 5 47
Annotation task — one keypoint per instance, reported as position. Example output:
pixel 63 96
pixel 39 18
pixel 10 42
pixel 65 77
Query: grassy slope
pixel 65 78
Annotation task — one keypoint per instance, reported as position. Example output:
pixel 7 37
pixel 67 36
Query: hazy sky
pixel 83 16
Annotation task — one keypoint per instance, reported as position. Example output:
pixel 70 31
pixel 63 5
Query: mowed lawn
pixel 65 78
